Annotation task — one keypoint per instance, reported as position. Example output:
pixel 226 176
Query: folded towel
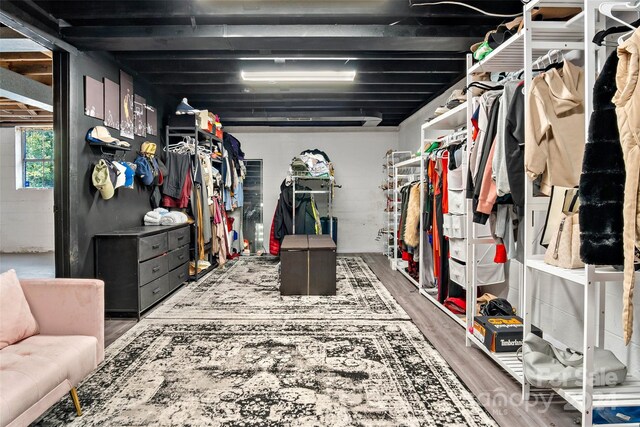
pixel 152 218
pixel 173 218
pixel 161 211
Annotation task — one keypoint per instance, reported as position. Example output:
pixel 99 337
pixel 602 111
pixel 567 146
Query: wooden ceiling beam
pixel 24 57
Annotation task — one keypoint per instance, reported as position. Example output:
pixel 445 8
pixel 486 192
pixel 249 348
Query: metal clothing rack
pixel 328 181
pixel 392 158
pixel 203 139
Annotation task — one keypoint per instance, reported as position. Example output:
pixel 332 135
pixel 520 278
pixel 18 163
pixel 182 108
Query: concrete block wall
pixel 26 214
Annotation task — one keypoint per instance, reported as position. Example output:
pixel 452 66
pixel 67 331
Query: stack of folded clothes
pixel 161 216
pixel 174 218
pixel 153 217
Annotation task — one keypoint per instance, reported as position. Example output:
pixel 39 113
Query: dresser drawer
pixel 152 246
pixel 179 237
pixel 152 269
pixel 458 249
pixel 153 292
pixel 178 276
pixel 456 202
pixel 457 273
pixel 178 257
pixel 455 226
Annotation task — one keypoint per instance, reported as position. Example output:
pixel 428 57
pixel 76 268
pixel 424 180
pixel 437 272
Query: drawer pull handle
pixel 156 290
pixel 155 269
pixel 181 275
pixel 180 238
pixel 155 246
pixel 181 257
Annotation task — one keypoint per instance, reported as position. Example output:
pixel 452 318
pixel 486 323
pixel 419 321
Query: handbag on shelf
pixel 564 247
pixel 561 200
pixel 546 366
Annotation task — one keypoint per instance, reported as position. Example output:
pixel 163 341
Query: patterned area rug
pixel 249 289
pixel 276 373
pixel 239 355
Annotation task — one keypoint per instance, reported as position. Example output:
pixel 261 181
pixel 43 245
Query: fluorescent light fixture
pixel 298 76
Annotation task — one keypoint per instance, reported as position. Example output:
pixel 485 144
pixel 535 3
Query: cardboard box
pixel 500 334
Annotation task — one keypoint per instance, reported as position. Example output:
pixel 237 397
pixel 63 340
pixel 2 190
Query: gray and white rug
pixel 240 355
pixel 249 289
pixel 272 373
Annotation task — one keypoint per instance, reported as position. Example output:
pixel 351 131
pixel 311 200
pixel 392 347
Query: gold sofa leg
pixel 76 401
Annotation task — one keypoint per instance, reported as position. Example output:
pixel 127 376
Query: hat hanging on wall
pixel 185 108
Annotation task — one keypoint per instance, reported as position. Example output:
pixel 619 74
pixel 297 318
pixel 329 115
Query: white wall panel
pixel 357 157
pixel 26 215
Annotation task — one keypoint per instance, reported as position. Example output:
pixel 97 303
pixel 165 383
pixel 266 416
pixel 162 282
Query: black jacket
pixel 514 148
pixel 603 176
pixel 283 220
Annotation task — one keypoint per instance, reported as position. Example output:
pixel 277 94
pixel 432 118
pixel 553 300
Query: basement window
pixel 36 146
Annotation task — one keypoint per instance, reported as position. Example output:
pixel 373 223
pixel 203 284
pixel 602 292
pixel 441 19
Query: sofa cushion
pixel 35 366
pixel 16 320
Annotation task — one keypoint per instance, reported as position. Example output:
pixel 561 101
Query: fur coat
pixel 603 177
pixel 412 227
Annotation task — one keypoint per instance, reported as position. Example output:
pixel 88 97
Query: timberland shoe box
pixel 500 334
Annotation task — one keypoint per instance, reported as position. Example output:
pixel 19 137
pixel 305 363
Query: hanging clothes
pixel 555 127
pixel 603 177
pixel 306 213
pixel 627 102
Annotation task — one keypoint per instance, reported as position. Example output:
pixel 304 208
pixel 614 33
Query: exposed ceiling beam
pixel 368 118
pixel 14 16
pixel 275 37
pixel 28 69
pixel 223 9
pixel 363 78
pixel 213 66
pixel 23 56
pixel 314 97
pixel 279 89
pixel 268 55
pixel 25 90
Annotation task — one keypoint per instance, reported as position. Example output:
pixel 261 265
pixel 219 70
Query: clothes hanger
pixel 600 36
pixel 607 10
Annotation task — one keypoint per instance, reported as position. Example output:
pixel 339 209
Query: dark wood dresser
pixel 141 265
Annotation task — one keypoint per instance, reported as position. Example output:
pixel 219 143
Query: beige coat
pixel 627 102
pixel 554 131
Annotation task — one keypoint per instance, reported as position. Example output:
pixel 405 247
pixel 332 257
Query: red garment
pixel 274 244
pixel 185 194
pixel 445 183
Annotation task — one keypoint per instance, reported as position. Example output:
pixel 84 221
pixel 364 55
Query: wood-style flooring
pixel 494 388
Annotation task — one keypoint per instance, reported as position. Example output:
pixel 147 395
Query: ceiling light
pixel 298 76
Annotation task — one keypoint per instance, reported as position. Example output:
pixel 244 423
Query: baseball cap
pixel 148 148
pixel 101 135
pixel 101 180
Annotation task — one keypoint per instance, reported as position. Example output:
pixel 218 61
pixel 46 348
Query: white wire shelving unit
pixel 405 172
pixel 431 130
pixel 518 54
pixel 391 199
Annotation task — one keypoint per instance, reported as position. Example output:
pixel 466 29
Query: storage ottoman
pixel 308 265
pixel 322 265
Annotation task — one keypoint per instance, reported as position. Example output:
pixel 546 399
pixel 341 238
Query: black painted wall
pixel 81 212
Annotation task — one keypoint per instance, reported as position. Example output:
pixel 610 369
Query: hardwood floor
pixel 115 328
pixel 495 389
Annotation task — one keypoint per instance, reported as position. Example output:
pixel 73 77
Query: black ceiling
pixel 403 55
